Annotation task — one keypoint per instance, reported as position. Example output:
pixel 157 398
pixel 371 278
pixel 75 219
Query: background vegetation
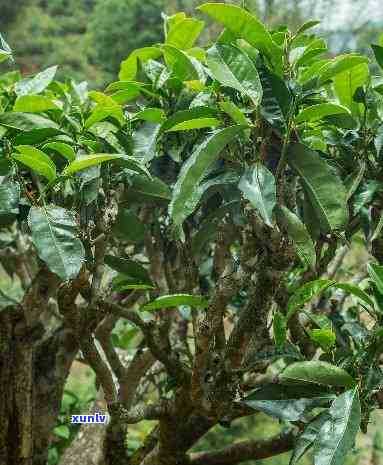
pixel 89 38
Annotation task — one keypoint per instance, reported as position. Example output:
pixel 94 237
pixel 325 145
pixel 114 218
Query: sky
pixel 337 14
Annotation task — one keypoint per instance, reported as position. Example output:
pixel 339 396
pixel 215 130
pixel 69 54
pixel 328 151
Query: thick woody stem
pixel 210 340
pixel 104 375
pixel 246 450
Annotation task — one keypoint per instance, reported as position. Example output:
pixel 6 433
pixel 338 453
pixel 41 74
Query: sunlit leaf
pixel 233 68
pixel 338 65
pixel 174 300
pixel 37 160
pixel 34 104
pixel 129 66
pixel 198 123
pixel 243 24
pixel 316 372
pixel 36 84
pixel 184 33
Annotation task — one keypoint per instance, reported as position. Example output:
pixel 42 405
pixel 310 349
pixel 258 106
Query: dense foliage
pixel 89 38
pixel 184 230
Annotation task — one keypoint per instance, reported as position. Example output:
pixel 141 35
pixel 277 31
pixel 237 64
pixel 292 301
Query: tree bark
pixel 33 371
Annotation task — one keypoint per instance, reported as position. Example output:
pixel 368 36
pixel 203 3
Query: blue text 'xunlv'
pixel 85 419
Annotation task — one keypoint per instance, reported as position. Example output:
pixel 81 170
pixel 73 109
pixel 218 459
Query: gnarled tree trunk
pixel 33 370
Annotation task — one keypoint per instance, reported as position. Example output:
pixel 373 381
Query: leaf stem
pixel 286 141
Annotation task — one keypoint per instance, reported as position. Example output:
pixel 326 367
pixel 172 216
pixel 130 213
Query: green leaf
pixel 54 234
pixel 337 435
pixel 129 66
pixel 325 338
pixel 234 112
pixel 199 189
pixel 311 72
pixel 176 18
pixel 338 65
pixel 106 131
pixel 174 300
pixel 145 141
pixel 63 149
pixel 376 274
pixel 132 89
pixel 5 166
pixel 308 436
pixel 310 53
pixel 244 25
pixel 378 229
pixel 365 194
pixel 90 160
pixel 62 431
pixel 184 33
pixel 277 99
pixel 34 104
pixel 279 329
pixel 346 84
pixel 4 45
pixel 305 293
pixel 319 111
pixel 353 181
pixel 36 136
pixel 180 63
pixel 131 163
pixel 258 186
pixel 153 115
pixel 378 141
pixel 37 160
pixel 316 372
pixel 355 291
pixel 195 168
pixel 320 320
pixel 288 403
pixel 106 107
pixel 198 123
pixel 153 187
pixel 233 68
pixel 9 201
pixel 299 235
pixel 36 84
pixel 129 268
pixel 4 55
pixel 123 283
pixel 378 52
pixel 326 192
pixel 187 115
pixel 307 25
pixel 313 288
pixel 25 121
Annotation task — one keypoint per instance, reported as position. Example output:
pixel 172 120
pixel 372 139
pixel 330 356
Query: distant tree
pixel 119 27
pixel 9 11
pixel 45 33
